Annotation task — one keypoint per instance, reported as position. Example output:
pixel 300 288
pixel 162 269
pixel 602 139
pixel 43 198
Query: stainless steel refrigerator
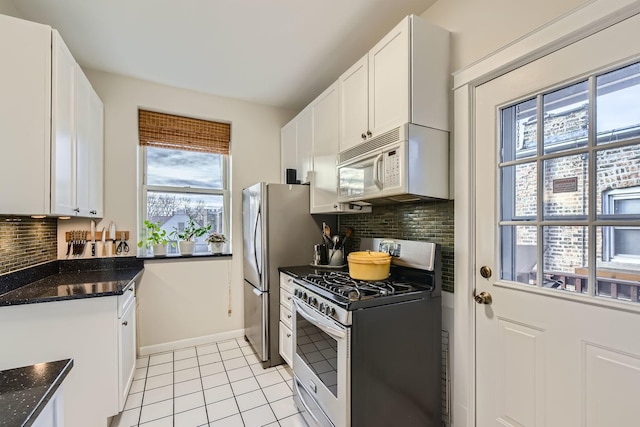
pixel 277 231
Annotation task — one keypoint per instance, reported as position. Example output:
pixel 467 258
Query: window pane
pixel 566 118
pixel 618 177
pixel 177 168
pixel 618 265
pixel 519 258
pixel 566 187
pixel 519 131
pixel 565 258
pixel 519 191
pixel 173 210
pixel 618 109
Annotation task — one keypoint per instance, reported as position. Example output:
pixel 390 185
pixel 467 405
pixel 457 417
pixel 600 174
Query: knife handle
pixel 93 249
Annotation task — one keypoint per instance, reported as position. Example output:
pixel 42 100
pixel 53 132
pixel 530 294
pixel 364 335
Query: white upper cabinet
pixel 89 148
pixel 403 78
pixel 63 130
pixel 25 117
pixel 354 104
pixel 51 126
pixel 295 146
pixel 76 138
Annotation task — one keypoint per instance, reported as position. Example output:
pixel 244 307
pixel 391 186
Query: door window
pixel 570 187
pixel 319 351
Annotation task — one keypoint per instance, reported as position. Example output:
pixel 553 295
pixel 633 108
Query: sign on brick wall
pixel 565 185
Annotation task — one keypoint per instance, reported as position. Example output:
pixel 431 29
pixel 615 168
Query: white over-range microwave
pixel 407 163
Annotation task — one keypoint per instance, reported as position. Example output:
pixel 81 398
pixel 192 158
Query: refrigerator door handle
pixel 255 237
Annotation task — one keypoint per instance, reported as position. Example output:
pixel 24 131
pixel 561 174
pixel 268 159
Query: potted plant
pixel 156 238
pixel 186 237
pixel 216 240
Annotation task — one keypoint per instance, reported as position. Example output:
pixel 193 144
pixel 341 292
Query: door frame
pixel 591 17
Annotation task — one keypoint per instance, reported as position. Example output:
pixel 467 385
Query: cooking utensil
pixel 123 246
pixel 369 265
pixel 104 239
pixel 93 238
pixel 336 241
pixel 326 235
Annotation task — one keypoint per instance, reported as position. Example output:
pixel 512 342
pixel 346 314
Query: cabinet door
pixel 326 135
pixel 285 342
pixel 389 80
pixel 25 117
pixel 83 141
pixel 126 352
pixel 63 130
pixel 96 155
pixel 288 148
pixel 354 104
pixel 304 144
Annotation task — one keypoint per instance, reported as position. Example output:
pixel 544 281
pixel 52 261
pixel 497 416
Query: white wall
pixel 7 8
pixel 182 299
pixel 481 27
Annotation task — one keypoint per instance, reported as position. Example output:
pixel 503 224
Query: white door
pixel 558 224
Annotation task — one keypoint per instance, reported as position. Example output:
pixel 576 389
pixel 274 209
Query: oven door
pixel 360 178
pixel 321 365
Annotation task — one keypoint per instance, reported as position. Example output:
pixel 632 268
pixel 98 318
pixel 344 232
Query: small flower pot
pixel 160 249
pixel 186 247
pixel 215 247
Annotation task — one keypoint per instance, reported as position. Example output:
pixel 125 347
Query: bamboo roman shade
pixel 183 133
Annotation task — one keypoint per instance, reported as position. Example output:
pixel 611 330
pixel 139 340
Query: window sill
pixel 203 255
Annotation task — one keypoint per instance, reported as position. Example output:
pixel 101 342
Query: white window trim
pixel 225 192
pixel 609 198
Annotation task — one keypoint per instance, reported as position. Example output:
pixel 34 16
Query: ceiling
pixel 275 52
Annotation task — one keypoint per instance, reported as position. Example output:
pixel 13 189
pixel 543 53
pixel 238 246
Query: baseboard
pixel 191 342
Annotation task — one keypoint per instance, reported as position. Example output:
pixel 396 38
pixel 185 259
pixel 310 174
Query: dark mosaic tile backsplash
pixel 423 221
pixel 26 241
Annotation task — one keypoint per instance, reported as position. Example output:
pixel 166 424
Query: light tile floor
pixel 217 385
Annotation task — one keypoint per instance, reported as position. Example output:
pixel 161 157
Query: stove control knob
pixel 329 311
pixel 295 292
pixel 314 301
pixel 321 307
pixel 304 296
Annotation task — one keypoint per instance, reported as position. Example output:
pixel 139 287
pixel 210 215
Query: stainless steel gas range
pixel 368 353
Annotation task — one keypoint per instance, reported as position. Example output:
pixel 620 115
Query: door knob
pixel 483 298
pixel 485 271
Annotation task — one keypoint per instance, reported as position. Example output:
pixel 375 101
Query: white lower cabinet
pixel 126 347
pixel 92 332
pixel 53 413
pixel 285 339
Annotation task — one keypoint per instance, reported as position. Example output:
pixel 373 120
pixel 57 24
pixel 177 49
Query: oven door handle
pixel 319 322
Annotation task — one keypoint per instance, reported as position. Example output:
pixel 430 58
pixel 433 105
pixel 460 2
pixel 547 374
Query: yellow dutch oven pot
pixel 368 265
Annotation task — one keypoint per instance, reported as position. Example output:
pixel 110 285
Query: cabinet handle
pixel 288 316
pixel 289 298
pixel 125 323
pixel 288 335
pixel 369 133
pixel 131 289
pixel 364 136
pixel 76 210
pixel 93 212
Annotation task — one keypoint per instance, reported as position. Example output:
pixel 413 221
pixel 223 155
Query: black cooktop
pixel 403 284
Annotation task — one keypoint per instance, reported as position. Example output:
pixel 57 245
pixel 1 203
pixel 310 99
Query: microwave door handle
pixel 376 174
pixel 320 323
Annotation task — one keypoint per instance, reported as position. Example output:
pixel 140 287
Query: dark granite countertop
pixel 69 280
pixel 303 270
pixel 24 392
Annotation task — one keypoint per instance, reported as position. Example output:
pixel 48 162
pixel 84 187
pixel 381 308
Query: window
pixel 620 244
pixel 185 174
pixel 570 187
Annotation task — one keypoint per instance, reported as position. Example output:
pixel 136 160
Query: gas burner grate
pixel 340 283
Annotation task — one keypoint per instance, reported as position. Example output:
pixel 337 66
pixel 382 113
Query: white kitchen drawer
pixel 127 297
pixel 285 297
pixel 286 282
pixel 285 315
pixel 286 344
